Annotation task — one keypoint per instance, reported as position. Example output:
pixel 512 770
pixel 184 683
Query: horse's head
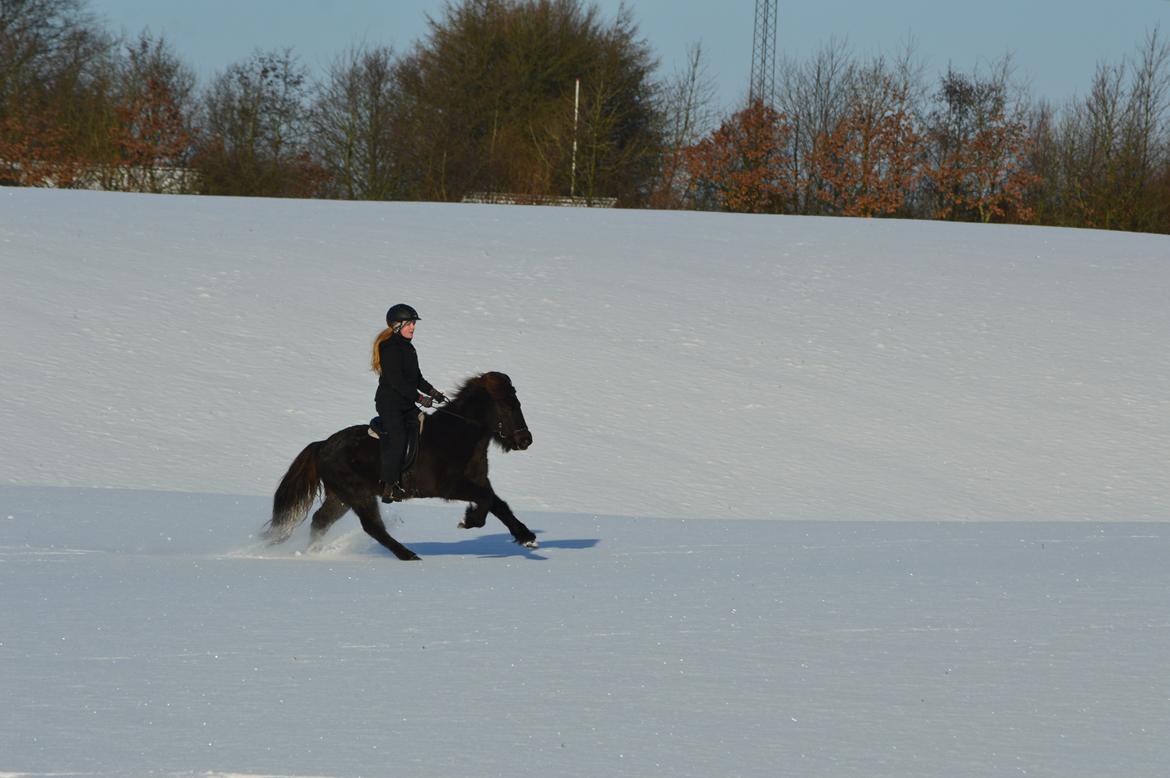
pixel 508 426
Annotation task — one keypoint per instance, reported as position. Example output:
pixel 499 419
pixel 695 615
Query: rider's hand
pixel 438 396
pixel 425 401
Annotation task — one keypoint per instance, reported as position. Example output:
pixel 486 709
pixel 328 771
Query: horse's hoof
pixel 531 544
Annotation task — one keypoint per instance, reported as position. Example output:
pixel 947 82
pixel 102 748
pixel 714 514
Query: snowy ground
pixel 135 641
pixel 952 440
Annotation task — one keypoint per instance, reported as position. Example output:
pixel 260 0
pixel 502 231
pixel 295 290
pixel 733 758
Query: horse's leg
pixel 480 500
pixel 367 511
pixel 520 532
pixel 484 499
pixel 330 511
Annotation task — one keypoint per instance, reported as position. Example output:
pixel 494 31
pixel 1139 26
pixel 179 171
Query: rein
pixel 465 420
pixel 461 417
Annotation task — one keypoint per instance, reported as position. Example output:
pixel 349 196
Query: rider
pixel 400 386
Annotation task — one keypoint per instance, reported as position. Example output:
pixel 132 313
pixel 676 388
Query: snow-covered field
pixel 954 442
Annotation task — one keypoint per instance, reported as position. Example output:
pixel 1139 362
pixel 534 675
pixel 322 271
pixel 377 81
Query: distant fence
pixel 502 198
pixel 113 178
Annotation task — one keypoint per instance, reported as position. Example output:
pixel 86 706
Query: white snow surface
pixel 953 441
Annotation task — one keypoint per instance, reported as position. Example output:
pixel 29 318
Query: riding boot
pixel 391 492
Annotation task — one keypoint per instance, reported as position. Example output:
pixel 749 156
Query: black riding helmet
pixel 400 312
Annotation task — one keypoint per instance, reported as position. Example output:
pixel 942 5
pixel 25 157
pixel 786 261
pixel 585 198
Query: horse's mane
pixel 493 384
pixel 470 387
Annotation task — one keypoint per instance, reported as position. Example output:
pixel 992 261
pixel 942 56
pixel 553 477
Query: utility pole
pixel 763 84
pixel 576 109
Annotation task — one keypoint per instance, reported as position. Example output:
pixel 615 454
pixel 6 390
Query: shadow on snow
pixel 498 546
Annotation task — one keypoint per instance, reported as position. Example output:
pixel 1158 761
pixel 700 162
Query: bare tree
pixel 35 38
pixel 814 96
pixel 1092 128
pixel 353 125
pixel 1044 161
pixel 687 106
pixel 1144 137
pixel 1112 145
pixel 254 130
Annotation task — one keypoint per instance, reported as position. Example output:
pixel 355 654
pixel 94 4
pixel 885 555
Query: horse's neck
pixel 470 409
pixel 454 421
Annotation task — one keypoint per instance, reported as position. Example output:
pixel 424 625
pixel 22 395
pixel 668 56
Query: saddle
pixel 376 431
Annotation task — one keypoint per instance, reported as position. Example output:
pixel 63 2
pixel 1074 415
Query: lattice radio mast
pixel 763 85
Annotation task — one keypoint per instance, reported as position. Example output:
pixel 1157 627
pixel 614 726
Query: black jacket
pixel 401 381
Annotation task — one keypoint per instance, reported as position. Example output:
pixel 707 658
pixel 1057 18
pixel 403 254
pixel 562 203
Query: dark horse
pixel 451 463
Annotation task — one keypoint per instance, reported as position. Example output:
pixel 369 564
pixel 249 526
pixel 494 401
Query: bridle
pixel 499 430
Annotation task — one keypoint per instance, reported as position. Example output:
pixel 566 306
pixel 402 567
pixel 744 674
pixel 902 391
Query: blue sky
pixel 1056 43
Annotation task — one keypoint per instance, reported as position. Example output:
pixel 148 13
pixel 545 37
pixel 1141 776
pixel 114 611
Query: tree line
pixel 544 98
pixel 877 138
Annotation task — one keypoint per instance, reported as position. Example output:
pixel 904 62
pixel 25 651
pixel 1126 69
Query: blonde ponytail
pixel 376 357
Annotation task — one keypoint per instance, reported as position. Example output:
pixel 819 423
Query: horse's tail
pixel 297 492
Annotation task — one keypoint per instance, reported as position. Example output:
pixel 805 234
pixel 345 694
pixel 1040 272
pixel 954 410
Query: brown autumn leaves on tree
pixel 966 159
pixel 78 108
pixel 744 165
pixel 978 151
pixel 871 139
pixel 50 84
pixel 867 163
pixel 152 134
